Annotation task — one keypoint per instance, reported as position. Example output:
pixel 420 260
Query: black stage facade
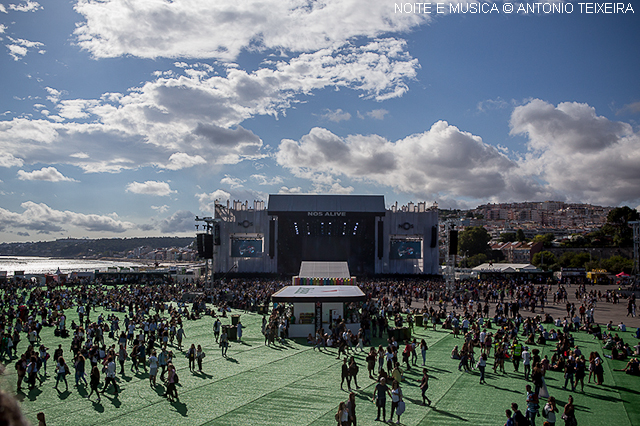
pixel 326 228
pixel 358 229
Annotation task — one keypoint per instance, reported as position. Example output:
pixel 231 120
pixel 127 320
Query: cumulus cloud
pixel 378 114
pixel 232 182
pixel 262 179
pixel 44 219
pixel 161 209
pixel 442 160
pixel 180 221
pixel 193 119
pixel 182 160
pixel 49 174
pixel 578 154
pixel 286 190
pixel 150 187
pixel 224 29
pixel 8 160
pixel 632 108
pixel 336 116
pixel 207 200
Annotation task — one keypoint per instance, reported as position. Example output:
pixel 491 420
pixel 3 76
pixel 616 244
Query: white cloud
pixel 286 190
pixel 378 114
pixel 3 27
pixel 150 187
pixel 578 154
pixel 8 160
pixel 198 119
pixel 25 6
pixel 438 162
pixel 224 29
pixel 19 47
pixel 3 10
pixel 181 160
pixel 207 200
pixel 262 179
pixel 44 219
pixel 180 221
pixel 161 209
pixel 49 174
pixel 337 115
pixel 234 183
pixel 492 104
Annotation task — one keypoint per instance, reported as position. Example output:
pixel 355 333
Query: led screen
pixel 405 250
pixel 246 248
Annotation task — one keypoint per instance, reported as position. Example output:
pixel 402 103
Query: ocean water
pixel 49 265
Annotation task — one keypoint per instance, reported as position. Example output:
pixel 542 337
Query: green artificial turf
pixel 293 384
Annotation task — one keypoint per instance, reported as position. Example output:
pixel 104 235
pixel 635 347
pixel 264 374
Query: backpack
pixel 520 419
pixel 175 378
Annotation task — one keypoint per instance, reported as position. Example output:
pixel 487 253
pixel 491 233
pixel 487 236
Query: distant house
pixel 518 252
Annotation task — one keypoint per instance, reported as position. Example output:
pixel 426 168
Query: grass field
pixel 294 385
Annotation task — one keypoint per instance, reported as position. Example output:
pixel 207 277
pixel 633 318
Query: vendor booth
pixel 316 307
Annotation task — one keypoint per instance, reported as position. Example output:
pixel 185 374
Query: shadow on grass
pixel 97 406
pixel 622 389
pixel 504 389
pixel 203 375
pixel 181 408
pixel 33 394
pixel 448 414
pixel 231 359
pixel 64 395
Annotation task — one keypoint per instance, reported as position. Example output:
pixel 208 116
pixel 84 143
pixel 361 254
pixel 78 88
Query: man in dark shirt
pixel 380 398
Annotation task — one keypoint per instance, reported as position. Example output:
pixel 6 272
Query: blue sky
pixel 128 118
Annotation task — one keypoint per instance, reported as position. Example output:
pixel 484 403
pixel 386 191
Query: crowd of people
pixel 486 315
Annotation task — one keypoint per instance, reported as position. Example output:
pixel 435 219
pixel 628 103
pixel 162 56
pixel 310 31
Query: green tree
pixel 545 239
pixel 617 264
pixel 544 259
pixel 618 225
pixel 507 237
pixel 520 236
pixel 473 240
pixel 476 260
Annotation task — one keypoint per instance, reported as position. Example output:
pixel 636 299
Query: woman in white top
pixel 396 397
pixel 153 368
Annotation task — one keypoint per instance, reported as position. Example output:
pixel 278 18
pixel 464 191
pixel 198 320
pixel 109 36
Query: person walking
pixel 94 382
pixel 424 385
pixel 533 405
pixel 345 375
pixel 423 350
pixel 216 329
pixel 172 381
pixel 79 366
pixel 111 377
pixel 353 371
pixel 62 370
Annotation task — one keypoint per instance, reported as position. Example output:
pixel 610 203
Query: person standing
pixel 342 416
pixel 191 355
pixel 549 411
pixel 239 331
pixel 396 399
pixel 424 385
pixel 351 407
pixel 533 405
pixel 380 398
pixel 569 413
pixel 153 368
pixel 79 366
pixel 482 365
pixel 172 380
pixel 199 357
pixel 32 372
pixel 423 350
pixel 526 361
pixel 224 343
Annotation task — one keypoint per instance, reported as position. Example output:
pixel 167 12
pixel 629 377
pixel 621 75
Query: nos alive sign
pixel 327 214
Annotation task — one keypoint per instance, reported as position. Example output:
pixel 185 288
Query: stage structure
pixel 357 229
pixel 324 273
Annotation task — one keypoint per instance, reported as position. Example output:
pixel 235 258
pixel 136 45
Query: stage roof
pixel 324 270
pixel 319 293
pixel 281 203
